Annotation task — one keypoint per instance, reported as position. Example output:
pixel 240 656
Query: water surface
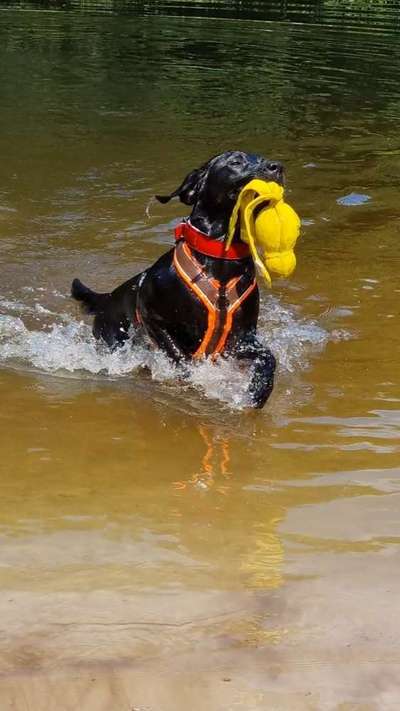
pixel 209 556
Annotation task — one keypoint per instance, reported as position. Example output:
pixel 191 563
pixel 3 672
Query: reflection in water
pixel 261 564
pixel 360 14
pixel 214 464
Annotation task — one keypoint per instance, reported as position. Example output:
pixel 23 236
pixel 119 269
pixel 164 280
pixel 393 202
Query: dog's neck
pixel 212 222
pixel 215 224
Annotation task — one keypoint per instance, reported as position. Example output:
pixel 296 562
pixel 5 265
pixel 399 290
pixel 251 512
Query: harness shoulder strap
pixel 234 302
pixel 210 291
pixel 205 289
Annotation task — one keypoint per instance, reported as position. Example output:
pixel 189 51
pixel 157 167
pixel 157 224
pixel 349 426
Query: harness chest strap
pixel 211 293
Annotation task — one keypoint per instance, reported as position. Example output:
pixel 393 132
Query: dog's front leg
pixel 164 340
pixel 262 364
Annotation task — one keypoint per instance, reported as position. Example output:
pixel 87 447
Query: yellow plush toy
pixel 275 228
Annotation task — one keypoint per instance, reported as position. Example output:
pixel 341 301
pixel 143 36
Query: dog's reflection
pixel 214 468
pixel 254 536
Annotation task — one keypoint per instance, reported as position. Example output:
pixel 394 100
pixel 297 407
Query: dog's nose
pixel 271 170
pixel 276 169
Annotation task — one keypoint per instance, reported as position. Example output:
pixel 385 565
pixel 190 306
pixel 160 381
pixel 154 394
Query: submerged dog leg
pixel 263 365
pixel 165 341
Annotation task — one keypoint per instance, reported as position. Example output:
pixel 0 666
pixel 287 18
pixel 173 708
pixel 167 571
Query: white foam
pixel 66 347
pixel 292 339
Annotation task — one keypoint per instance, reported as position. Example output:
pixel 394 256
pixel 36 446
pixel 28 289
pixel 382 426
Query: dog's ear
pixel 189 190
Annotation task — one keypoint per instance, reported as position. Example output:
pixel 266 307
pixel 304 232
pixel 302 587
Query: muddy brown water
pixel 162 547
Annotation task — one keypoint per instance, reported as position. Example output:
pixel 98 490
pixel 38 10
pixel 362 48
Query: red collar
pixel 208 246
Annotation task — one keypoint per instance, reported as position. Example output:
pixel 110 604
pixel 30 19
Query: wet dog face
pixel 229 172
pixel 213 188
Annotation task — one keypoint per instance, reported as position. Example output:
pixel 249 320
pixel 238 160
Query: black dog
pixel 197 300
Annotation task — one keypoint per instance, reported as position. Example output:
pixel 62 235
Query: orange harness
pixel 220 300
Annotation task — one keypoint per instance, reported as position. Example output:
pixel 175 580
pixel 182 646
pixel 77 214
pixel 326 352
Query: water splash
pixel 292 339
pixel 34 337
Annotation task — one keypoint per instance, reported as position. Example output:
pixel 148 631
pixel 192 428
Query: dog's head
pixel 213 189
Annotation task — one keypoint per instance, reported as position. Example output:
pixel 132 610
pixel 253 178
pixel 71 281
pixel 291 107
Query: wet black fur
pixel 171 314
